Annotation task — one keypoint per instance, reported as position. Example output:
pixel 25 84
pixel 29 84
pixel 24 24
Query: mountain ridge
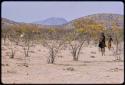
pixel 52 21
pixel 102 18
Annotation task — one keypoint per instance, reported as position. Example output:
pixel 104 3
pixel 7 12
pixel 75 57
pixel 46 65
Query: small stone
pixel 70 69
pixel 92 56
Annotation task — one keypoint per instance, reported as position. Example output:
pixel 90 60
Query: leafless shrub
pixel 13 40
pixel 27 43
pixel 76 40
pixel 53 42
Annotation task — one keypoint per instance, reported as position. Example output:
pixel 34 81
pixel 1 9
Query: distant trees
pixel 4 35
pixel 91 28
pixel 117 34
pixel 94 31
pixel 118 37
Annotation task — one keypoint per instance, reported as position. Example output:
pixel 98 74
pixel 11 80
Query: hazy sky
pixel 35 11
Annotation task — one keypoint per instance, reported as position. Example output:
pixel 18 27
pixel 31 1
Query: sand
pixel 91 68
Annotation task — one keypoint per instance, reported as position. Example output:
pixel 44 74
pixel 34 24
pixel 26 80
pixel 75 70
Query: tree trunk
pixel 51 58
pixel 75 58
pixel 117 45
pixel 12 53
pixel 74 55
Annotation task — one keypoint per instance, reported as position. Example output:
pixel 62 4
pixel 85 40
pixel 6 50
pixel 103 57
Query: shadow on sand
pixel 85 63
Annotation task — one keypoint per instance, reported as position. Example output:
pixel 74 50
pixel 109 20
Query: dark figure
pixel 102 44
pixel 109 42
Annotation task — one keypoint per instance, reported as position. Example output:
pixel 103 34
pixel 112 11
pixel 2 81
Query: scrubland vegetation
pixel 55 39
pixel 80 39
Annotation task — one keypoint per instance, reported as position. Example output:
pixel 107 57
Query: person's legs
pixel 103 51
pixel 109 46
pixel 99 49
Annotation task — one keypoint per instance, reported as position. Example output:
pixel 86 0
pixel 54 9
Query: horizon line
pixel 60 17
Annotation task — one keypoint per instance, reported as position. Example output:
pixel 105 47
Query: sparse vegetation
pixel 55 38
pixel 76 40
pixel 54 42
pixel 61 42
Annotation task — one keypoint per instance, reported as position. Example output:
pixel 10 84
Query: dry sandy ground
pixel 91 67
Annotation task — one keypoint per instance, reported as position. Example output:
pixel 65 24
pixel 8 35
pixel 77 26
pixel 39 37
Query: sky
pixel 22 11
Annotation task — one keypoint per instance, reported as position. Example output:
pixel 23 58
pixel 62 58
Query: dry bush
pixel 118 37
pixel 4 35
pixel 76 39
pixel 53 42
pixel 13 40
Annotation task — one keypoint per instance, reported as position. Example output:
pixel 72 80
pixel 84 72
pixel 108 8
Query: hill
pixel 103 18
pixel 107 19
pixel 52 21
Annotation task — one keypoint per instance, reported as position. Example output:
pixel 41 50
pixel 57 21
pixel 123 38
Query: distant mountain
pixel 102 18
pixel 52 21
pixel 8 22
